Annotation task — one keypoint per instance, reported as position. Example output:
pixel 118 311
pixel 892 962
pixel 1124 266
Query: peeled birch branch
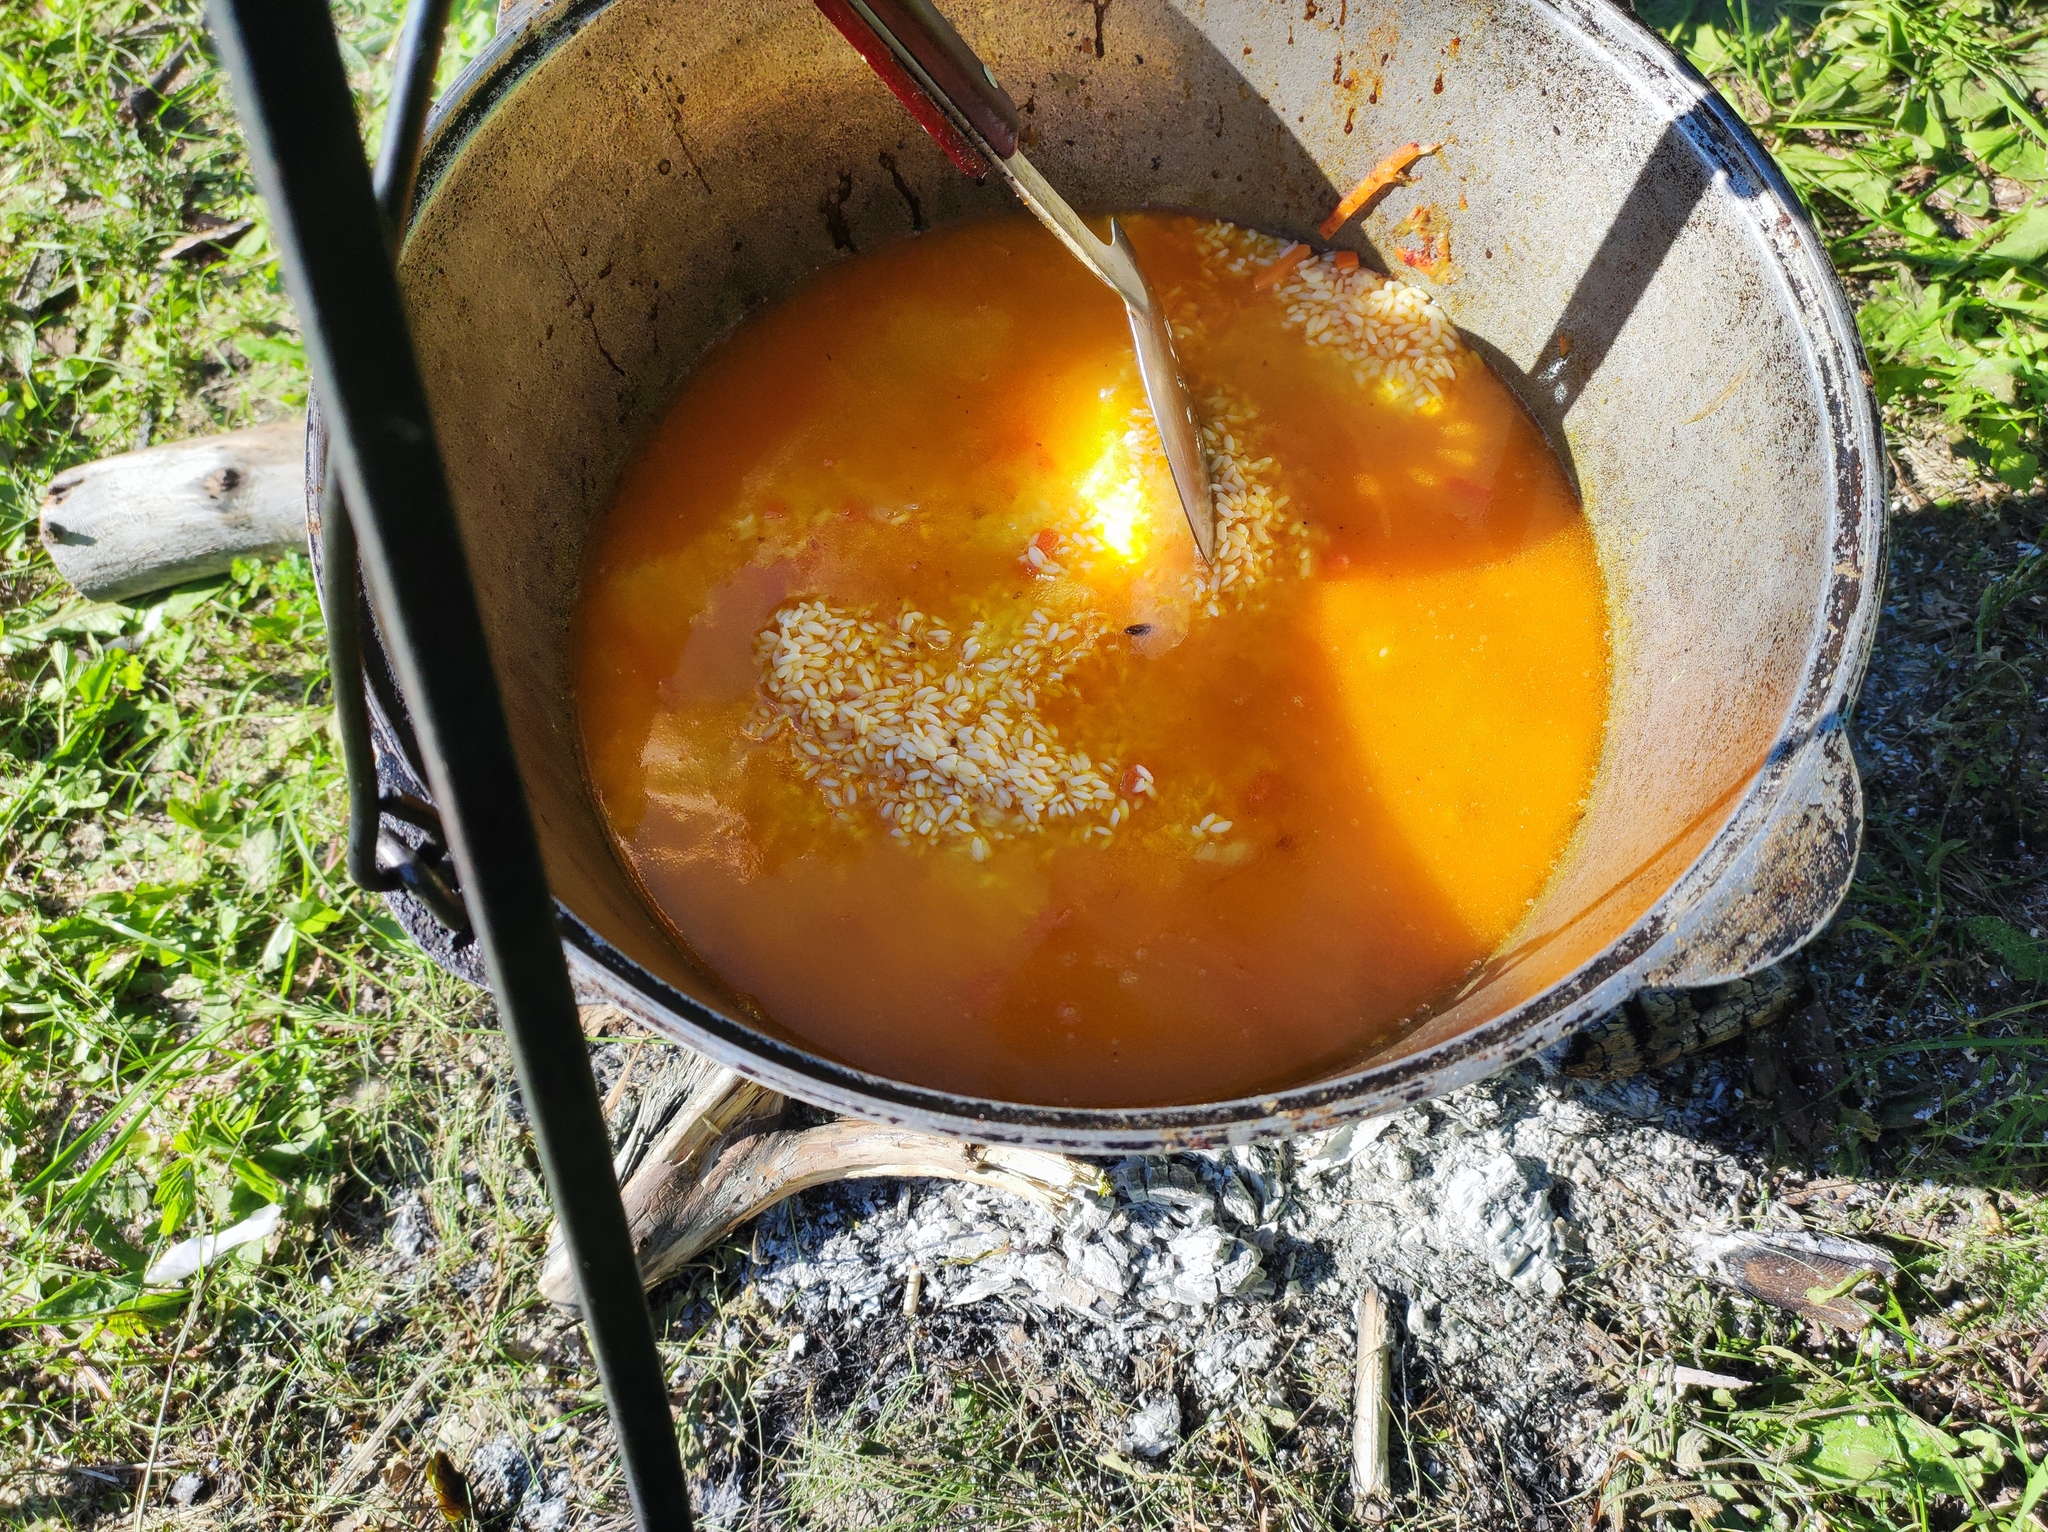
pixel 1371 1408
pixel 128 525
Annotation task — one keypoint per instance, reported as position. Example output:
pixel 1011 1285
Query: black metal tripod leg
pixel 377 860
pixel 412 93
pixel 294 102
pixel 341 600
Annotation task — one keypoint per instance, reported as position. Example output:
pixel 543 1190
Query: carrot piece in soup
pixel 1285 262
pixel 1388 172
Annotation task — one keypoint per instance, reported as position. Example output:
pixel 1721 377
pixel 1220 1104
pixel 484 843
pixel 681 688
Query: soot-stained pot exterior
pixel 615 183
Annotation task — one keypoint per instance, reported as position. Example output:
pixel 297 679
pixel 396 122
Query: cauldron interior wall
pixel 617 191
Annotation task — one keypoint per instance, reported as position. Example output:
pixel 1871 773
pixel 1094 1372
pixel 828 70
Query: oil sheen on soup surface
pixel 916 716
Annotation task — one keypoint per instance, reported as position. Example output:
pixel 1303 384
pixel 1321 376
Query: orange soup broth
pixel 1399 725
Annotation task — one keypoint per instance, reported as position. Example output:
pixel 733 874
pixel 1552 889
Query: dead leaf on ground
pixel 210 241
pixel 450 1486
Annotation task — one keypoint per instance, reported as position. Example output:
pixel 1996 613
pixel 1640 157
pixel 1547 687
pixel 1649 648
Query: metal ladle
pixel 956 99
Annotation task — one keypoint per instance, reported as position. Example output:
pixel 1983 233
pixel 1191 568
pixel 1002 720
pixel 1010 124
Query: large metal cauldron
pixel 617 182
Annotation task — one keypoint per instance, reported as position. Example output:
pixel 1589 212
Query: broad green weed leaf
pixel 276 630
pixel 287 1162
pixel 1712 49
pixel 274 951
pixel 1921 122
pixel 260 860
pixel 256 1179
pixel 108 1239
pixel 311 916
pixel 2030 67
pixel 211 814
pixel 2016 468
pixel 1887 1448
pixel 1967 100
pixel 1989 1447
pixel 1843 177
pixel 2023 239
pixel 2023 957
pixel 83 1297
pixel 2011 153
pixel 99 1297
pixel 387 926
pixel 1837 79
pixel 1996 376
pixel 187 599
pixel 83 619
pixel 106 969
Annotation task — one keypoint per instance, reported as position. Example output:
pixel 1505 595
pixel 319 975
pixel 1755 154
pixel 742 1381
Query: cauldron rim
pixel 1810 761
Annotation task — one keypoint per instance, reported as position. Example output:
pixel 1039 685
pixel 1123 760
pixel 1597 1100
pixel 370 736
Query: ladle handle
pixel 935 74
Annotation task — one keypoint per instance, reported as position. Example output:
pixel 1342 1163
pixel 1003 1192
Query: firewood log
pixel 128 525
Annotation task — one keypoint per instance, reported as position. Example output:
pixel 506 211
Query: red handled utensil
pixel 955 98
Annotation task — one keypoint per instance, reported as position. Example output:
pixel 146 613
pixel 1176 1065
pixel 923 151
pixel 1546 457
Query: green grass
pixel 198 1016
pixel 1932 1417
pixel 1918 135
pixel 1915 134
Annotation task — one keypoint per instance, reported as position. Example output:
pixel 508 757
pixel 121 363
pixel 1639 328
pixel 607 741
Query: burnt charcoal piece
pixel 1654 1027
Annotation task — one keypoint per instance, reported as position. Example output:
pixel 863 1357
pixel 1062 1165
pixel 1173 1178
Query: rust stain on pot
pixel 586 308
pixel 888 162
pixel 833 206
pixel 675 123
